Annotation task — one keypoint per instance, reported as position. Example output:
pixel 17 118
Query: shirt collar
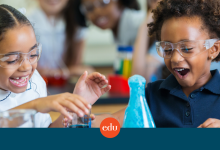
pixel 44 23
pixel 5 94
pixel 169 83
pixel 213 85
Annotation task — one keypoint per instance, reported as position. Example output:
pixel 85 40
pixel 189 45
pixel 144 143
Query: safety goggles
pixel 90 7
pixel 15 59
pixel 188 48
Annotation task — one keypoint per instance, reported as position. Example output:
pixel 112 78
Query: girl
pixel 62 37
pixel 20 83
pixel 122 17
pixel 146 61
pixel 188 32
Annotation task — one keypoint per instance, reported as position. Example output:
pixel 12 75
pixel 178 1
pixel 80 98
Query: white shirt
pixel 129 25
pixel 36 88
pixel 51 34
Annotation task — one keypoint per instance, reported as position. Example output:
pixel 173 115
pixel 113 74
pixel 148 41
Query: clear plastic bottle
pixel 123 62
pixel 137 114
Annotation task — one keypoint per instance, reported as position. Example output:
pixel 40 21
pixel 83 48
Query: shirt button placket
pixel 187 114
pixel 187 104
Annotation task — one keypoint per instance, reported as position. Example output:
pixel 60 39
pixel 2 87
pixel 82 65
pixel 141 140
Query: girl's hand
pixel 210 123
pixel 61 102
pixel 90 87
pixel 67 122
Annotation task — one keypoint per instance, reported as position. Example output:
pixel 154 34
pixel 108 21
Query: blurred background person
pixel 122 17
pixel 146 61
pixel 62 34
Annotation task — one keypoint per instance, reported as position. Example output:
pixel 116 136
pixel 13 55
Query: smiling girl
pixel 21 86
pixel 122 17
pixel 62 36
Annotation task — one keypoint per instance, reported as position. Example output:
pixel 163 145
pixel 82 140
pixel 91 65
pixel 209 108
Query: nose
pixel 25 65
pixel 176 57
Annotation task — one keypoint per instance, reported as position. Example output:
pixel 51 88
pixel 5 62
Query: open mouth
pixel 19 81
pixel 181 72
pixel 102 21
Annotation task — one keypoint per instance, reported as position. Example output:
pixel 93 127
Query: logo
pixel 110 127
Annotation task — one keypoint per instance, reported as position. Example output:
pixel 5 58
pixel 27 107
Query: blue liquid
pixel 79 126
pixel 137 114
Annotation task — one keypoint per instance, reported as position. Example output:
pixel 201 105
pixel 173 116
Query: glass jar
pixel 20 118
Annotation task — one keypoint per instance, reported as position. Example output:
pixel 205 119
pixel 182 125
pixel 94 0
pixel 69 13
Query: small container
pixel 119 84
pixel 123 62
pixel 56 81
pixel 79 122
pixel 20 118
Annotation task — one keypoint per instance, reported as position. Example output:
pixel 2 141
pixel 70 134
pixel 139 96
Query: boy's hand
pixel 210 123
pixel 61 102
pixel 90 87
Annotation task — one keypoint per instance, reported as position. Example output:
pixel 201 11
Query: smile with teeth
pixel 182 71
pixel 19 81
pixel 179 69
pixel 102 21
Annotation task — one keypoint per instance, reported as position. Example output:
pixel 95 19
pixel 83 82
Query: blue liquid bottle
pixel 137 114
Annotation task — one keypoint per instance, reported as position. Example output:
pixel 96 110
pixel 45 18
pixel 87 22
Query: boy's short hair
pixel 207 10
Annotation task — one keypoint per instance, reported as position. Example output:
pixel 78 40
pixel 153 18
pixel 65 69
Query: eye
pixel 186 50
pixel 12 62
pixel 10 59
pixel 168 51
pixel 34 55
pixel 89 8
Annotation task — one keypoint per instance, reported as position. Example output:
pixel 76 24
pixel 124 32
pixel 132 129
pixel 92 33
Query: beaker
pixel 20 118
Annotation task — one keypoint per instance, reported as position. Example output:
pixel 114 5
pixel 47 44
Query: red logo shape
pixel 110 127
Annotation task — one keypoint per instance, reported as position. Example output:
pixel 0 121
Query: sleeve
pixel 40 83
pixel 130 21
pixel 80 34
pixel 42 120
pixel 147 93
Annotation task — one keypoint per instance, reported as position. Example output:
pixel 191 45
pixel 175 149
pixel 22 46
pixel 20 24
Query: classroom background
pixel 100 53
pixel 100 50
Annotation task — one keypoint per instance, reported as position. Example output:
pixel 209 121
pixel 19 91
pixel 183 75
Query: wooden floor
pixel 97 109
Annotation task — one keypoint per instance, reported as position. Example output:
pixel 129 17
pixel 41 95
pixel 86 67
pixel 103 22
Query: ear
pixel 214 50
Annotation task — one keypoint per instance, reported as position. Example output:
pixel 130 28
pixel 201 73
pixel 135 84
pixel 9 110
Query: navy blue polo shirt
pixel 170 107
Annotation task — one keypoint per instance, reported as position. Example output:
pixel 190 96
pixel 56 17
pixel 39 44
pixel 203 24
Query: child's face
pixel 18 39
pixel 53 7
pixel 198 67
pixel 104 17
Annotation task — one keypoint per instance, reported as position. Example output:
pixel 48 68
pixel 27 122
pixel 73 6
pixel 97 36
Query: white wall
pixel 28 4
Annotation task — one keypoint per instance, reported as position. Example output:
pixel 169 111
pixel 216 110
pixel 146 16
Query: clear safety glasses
pixel 187 48
pixel 90 7
pixel 15 59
